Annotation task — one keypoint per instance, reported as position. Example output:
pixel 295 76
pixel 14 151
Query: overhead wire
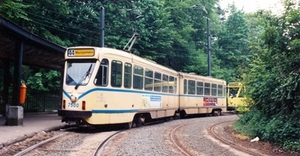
pixel 63 30
pixel 68 16
pixel 50 21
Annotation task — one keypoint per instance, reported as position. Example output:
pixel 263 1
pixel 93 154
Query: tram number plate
pixel 73 105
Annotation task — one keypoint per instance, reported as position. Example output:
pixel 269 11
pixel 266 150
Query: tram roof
pixel 37 51
pixel 203 78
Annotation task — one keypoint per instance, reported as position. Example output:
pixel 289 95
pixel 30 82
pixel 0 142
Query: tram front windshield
pixel 79 72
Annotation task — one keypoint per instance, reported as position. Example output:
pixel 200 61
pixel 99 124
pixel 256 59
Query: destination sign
pixel 80 52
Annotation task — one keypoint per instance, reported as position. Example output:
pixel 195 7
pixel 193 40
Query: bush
pixel 277 129
pixel 292 145
pixel 250 123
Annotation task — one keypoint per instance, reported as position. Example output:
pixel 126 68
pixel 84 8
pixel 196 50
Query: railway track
pixel 103 143
pixel 64 142
pixel 216 131
pixel 35 146
pixel 106 142
pixel 176 141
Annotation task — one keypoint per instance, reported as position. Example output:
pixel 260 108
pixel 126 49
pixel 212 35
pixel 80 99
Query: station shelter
pixel 20 47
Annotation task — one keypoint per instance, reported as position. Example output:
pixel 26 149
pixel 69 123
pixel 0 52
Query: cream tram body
pixel 114 86
pixel 108 86
pixel 201 95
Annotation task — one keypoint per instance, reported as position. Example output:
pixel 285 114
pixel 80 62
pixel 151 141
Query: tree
pixel 233 45
pixel 41 81
pixel 172 33
pixel 13 10
pixel 273 81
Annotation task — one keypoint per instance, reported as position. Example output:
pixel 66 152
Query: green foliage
pixel 281 130
pixel 242 109
pixel 166 27
pixel 13 10
pixel 251 123
pixel 232 45
pixel 273 81
pixel 292 144
pixel 42 82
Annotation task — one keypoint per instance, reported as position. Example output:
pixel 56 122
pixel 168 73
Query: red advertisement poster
pixel 210 101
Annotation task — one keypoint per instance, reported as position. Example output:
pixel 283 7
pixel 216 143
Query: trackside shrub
pixel 276 129
pixel 292 144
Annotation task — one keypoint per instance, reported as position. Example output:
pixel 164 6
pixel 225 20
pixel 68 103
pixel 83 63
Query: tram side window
pixel 157 82
pixel 102 74
pixel 191 87
pixel 127 75
pixel 175 85
pixel 185 86
pixel 220 90
pixel 138 77
pixel 116 73
pixel 199 88
pixel 206 88
pixel 148 79
pixel 172 85
pixel 213 89
pixel 165 86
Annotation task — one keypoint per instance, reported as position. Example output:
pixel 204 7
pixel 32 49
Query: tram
pixel 108 86
pixel 236 96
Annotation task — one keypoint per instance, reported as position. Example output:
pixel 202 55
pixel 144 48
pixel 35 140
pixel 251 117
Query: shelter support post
pixel 15 111
pixel 6 84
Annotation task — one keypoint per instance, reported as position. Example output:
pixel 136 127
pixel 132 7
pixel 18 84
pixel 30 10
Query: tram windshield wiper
pixel 84 77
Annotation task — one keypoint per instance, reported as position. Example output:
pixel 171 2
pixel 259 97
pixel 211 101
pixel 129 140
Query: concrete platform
pixel 32 124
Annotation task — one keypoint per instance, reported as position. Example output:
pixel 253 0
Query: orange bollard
pixel 22 93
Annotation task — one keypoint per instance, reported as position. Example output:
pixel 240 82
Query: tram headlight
pixel 73 99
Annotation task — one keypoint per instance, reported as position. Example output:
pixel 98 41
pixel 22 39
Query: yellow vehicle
pixel 236 96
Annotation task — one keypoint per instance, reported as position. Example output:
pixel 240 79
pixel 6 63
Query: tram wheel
pixel 130 125
pixel 216 113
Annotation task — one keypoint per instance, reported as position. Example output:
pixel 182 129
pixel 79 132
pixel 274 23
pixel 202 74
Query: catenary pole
pixel 208 49
pixel 102 27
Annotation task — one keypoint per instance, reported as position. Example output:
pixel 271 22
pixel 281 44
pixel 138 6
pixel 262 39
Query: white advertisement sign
pixel 151 101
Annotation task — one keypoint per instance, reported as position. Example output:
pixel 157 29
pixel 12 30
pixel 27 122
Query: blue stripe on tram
pixel 114 111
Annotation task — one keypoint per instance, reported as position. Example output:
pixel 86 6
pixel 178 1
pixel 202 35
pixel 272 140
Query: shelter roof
pixel 37 51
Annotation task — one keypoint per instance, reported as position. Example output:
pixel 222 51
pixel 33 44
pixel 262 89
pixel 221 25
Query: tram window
pixel 165 84
pixel 185 86
pixel 199 88
pixel 213 89
pixel 172 84
pixel 191 87
pixel 101 77
pixel 79 72
pixel 148 79
pixel 116 73
pixel 157 82
pixel 220 90
pixel 175 85
pixel 138 77
pixel 206 88
pixel 127 75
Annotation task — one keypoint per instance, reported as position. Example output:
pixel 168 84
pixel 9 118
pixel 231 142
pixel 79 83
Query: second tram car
pixel 108 86
pixel 236 96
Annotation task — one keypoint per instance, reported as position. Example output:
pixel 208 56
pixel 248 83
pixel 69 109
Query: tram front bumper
pixel 74 114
